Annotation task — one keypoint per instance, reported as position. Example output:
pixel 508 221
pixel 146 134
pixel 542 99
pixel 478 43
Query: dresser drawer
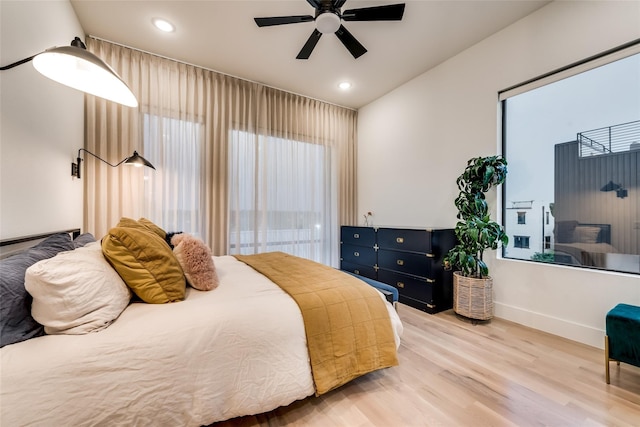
pixel 360 270
pixel 408 259
pixel 362 236
pixel 407 286
pixel 404 239
pixel 405 262
pixel 358 254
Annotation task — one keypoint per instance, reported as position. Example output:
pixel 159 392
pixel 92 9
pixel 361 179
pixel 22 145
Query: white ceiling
pixel 222 36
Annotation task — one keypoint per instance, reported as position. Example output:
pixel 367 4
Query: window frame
pixel 523 239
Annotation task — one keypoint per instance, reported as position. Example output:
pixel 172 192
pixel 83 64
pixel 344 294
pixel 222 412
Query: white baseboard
pixel 574 331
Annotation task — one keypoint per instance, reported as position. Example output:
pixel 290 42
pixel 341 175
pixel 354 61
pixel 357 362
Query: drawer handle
pixel 356 236
pixel 356 271
pixel 399 240
pixel 400 285
pixel 400 262
pixel 356 253
pixel 431 280
pixel 430 255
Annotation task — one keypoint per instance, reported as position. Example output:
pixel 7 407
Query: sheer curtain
pixel 246 167
pixel 282 197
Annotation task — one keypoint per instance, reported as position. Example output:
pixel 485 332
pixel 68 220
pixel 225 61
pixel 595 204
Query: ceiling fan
pixel 327 19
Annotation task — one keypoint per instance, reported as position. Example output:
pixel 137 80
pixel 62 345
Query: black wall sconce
pixel 76 67
pixel 621 192
pixel 135 160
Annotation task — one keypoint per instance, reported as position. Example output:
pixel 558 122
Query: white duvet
pixel 239 349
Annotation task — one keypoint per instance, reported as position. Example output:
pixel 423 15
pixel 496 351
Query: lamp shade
pixel 80 69
pixel 610 186
pixel 137 160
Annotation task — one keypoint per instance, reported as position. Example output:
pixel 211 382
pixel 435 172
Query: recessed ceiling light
pixel 344 85
pixel 163 25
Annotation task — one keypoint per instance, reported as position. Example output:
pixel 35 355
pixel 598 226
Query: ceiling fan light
pixel 328 22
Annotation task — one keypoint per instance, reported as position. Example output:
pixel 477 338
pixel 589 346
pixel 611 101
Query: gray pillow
pixel 16 323
pixel 83 239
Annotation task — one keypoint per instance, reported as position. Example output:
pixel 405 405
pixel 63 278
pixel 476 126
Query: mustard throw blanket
pixel 346 321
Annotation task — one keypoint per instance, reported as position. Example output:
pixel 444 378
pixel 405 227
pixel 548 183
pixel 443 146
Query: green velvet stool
pixel 622 341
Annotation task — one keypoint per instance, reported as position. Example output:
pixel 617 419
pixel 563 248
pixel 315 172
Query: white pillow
pixel 76 292
pixel 586 234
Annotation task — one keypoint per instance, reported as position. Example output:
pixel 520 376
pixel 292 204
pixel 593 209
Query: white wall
pixel 41 123
pixel 415 141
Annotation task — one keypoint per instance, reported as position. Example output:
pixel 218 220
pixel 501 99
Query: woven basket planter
pixel 473 298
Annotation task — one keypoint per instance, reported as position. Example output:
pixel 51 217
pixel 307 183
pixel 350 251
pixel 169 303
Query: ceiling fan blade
pixel 280 20
pixel 314 3
pixel 390 12
pixel 308 47
pixel 338 3
pixel 350 42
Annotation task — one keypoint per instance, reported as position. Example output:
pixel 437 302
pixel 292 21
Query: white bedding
pixel 592 254
pixel 239 349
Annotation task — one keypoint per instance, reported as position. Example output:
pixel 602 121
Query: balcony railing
pixel 607 140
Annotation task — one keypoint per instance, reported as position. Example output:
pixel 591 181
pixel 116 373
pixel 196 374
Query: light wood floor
pixel 454 373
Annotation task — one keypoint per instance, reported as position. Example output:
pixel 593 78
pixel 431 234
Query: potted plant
pixel 476 232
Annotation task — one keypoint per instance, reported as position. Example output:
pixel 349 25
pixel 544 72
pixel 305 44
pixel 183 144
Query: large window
pixel 572 140
pixel 282 197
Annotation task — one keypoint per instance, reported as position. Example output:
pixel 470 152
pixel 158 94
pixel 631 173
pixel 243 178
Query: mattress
pixel 237 350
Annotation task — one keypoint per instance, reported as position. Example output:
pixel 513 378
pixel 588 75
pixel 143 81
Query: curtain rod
pixel 220 72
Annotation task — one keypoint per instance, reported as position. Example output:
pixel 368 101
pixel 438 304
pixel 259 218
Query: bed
pixel 236 350
pixel 582 243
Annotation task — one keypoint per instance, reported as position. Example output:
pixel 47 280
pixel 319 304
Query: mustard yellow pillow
pixel 145 262
pixel 151 226
pixel 142 223
pixel 128 222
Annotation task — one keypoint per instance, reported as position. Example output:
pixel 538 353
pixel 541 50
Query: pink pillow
pixel 195 259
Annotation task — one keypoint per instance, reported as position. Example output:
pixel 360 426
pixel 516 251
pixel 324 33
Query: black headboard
pixel 75 232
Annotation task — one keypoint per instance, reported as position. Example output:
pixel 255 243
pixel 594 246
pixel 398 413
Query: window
pixel 572 140
pixel 172 191
pixel 521 242
pixel 522 217
pixel 282 197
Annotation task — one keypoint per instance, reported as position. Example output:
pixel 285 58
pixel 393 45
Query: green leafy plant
pixel 543 257
pixel 475 230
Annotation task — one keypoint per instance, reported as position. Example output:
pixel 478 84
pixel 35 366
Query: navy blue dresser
pixel 408 259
